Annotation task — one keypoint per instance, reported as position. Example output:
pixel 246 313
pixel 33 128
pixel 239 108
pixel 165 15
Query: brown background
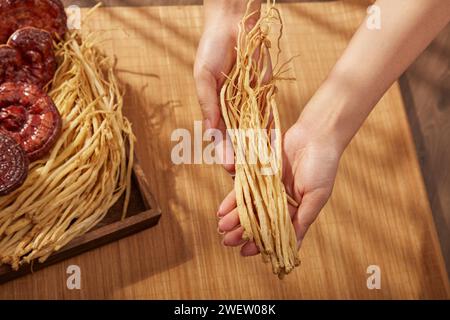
pixel 426 90
pixel 378 213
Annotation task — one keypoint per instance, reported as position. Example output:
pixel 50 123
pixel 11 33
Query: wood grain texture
pixel 426 88
pixel 425 83
pixel 143 213
pixel 140 3
pixel 378 214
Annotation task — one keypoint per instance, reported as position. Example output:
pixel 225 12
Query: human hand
pixel 312 148
pixel 310 166
pixel 216 56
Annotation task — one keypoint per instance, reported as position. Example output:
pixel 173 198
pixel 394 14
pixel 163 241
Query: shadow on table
pixel 426 92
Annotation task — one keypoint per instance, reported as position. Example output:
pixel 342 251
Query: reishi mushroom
pixel 30 117
pixel 43 14
pixel 29 120
pixel 13 165
pixel 28 57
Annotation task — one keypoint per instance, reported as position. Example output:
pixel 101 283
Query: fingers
pixel 310 207
pixel 292 211
pixel 233 238
pixel 229 225
pixel 224 149
pixel 206 85
pixel 229 221
pixel 302 218
pixel 227 205
pixel 249 249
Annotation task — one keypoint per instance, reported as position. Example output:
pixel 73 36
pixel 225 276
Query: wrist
pixel 331 116
pixel 231 7
pixel 227 10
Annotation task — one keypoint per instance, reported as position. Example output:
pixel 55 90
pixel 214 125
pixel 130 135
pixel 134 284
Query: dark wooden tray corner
pixel 143 213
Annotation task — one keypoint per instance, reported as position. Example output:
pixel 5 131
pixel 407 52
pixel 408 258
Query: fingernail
pixel 219 211
pixel 220 231
pixel 243 255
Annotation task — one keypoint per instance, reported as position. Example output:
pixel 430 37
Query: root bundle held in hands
pixel 251 114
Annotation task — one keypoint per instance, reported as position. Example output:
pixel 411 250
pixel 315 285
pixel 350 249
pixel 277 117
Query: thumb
pixel 310 207
pixel 206 86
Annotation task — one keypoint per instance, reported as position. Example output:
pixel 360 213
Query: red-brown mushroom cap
pixel 13 165
pixel 30 117
pixel 43 14
pixel 28 57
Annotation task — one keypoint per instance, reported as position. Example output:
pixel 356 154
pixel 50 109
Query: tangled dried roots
pixel 88 170
pixel 251 113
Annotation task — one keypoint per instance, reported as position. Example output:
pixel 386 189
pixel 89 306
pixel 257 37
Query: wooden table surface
pixel 378 214
pixel 426 91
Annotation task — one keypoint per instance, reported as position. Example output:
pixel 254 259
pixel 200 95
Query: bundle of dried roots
pixel 251 116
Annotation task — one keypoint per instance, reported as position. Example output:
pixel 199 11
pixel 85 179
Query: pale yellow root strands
pixel 87 171
pixel 248 103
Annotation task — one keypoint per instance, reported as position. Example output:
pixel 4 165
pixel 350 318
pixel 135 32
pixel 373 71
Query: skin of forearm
pixel 373 60
pixel 223 9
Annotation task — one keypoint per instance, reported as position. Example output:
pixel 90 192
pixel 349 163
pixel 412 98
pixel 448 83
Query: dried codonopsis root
pixel 251 115
pixel 88 169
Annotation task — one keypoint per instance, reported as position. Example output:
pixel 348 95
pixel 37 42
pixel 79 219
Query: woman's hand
pixel 314 145
pixel 310 166
pixel 216 56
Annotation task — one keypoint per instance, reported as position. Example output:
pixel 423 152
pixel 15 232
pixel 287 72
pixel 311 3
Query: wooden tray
pixel 143 213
